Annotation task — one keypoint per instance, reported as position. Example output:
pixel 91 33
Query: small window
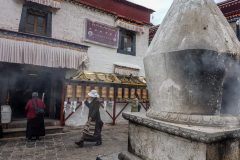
pixel 36 19
pixel 36 23
pixel 127 42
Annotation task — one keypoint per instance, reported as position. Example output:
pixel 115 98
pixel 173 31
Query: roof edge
pixel 135 5
pixel 111 12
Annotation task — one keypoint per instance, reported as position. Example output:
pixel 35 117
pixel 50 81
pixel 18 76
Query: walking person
pixel 35 118
pixel 93 128
pixel 135 105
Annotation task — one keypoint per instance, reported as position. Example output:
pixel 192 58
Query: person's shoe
pixel 31 140
pixel 98 143
pixel 80 143
pixel 39 139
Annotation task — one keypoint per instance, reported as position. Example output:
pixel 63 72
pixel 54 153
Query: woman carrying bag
pixel 93 128
pixel 35 118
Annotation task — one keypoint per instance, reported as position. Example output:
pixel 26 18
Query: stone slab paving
pixel 62 147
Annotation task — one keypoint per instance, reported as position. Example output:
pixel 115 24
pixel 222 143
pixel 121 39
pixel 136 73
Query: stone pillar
pixel 187 63
pixel 150 139
pixel 187 66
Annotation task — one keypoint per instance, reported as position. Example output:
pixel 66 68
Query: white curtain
pixel 23 52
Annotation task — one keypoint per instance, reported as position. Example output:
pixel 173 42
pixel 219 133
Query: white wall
pixel 68 24
pixel 10 14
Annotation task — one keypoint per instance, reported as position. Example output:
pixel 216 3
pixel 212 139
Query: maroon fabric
pixel 101 33
pixel 30 107
pixel 121 8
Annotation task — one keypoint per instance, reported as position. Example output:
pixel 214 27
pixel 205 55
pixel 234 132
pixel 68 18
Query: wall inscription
pixel 101 33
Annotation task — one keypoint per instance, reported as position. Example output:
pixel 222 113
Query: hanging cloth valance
pixel 22 52
pixel 129 26
pixel 51 3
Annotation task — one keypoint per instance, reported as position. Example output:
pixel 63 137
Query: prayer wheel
pixel 120 91
pixel 126 93
pixel 139 93
pixel 88 89
pixel 69 91
pixel 104 92
pixel 144 94
pixel 79 91
pixel 132 93
pixel 111 92
pixel 97 89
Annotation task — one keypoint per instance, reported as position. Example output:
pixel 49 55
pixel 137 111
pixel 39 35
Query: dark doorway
pixel 22 80
pixel 23 88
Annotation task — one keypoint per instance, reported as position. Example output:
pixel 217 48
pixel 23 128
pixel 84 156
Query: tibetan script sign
pixel 101 34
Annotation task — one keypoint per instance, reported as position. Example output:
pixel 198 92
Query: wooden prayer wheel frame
pixel 113 91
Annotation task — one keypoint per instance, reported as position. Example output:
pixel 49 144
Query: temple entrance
pixel 19 81
pixel 23 89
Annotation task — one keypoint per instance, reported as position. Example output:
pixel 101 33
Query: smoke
pixel 231 87
pixel 19 81
pixel 230 102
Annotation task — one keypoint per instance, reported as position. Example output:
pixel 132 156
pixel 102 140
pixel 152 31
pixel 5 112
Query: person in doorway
pixel 135 105
pixel 93 128
pixel 35 118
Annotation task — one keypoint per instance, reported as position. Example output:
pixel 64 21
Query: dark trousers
pixel 35 127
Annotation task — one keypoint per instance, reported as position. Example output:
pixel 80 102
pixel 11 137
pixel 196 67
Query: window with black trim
pixel 127 42
pixel 36 23
pixel 36 19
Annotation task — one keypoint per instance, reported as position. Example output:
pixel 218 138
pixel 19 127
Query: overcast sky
pixel 160 6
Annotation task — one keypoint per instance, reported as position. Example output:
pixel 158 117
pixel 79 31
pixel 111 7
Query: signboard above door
pixel 101 34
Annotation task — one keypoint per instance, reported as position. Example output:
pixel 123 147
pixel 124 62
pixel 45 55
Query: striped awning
pixel 129 26
pixel 51 3
pixel 24 52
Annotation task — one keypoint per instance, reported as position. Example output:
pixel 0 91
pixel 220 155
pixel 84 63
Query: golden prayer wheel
pixel 119 95
pixel 104 92
pixel 126 93
pixel 97 89
pixel 132 93
pixel 79 91
pixel 111 92
pixel 139 93
pixel 144 94
pixel 69 91
pixel 88 89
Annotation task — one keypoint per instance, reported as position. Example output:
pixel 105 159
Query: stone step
pixel 23 123
pixel 108 157
pixel 21 132
pixel 119 156
pixel 127 156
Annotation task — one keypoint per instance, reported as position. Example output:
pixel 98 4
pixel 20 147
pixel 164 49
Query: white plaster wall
pixel 68 24
pixel 10 14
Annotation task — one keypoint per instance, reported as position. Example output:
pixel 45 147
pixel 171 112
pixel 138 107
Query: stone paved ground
pixel 62 147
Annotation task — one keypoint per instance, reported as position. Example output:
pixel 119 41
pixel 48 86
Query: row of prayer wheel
pixel 79 91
